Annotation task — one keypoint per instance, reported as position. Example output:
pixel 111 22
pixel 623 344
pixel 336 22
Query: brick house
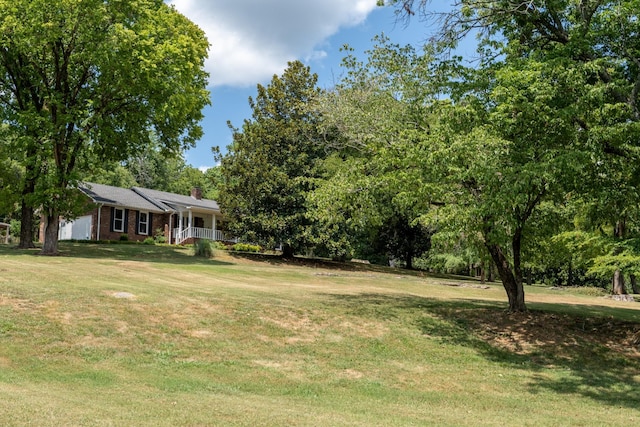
pixel 140 213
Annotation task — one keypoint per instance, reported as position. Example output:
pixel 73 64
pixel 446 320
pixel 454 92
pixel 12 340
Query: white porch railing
pixel 179 236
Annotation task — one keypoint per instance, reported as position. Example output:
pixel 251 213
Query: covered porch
pixel 191 224
pixel 190 234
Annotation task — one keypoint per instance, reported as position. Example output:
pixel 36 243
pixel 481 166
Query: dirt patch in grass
pixel 122 295
pixel 17 303
pixel 546 336
pixel 316 263
pixel 310 326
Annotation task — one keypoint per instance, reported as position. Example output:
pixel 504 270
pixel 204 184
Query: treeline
pixel 525 160
pixel 523 163
pixel 152 169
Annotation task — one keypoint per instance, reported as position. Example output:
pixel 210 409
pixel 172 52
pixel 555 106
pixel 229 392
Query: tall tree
pixel 269 167
pixel 367 207
pixel 478 163
pixel 86 82
pixel 590 47
pixel 371 189
pixel 491 181
pixel 153 168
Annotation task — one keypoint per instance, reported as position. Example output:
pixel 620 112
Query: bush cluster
pixel 203 248
pixel 159 236
pixel 245 247
pixel 219 245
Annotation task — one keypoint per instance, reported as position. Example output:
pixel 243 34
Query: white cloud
pixel 251 40
pixel 316 55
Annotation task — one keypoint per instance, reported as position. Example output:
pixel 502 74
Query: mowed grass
pixel 115 335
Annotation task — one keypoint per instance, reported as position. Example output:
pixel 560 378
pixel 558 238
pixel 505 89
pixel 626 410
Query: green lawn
pixel 123 335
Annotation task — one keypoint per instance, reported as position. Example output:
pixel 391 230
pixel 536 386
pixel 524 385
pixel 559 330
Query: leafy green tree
pixel 587 52
pixel 158 169
pixel 363 208
pixel 488 188
pixel 479 163
pixel 115 174
pixel 152 169
pixel 612 210
pixel 85 82
pixel 269 168
pixel 465 166
pixel 212 183
pixel 187 178
pixel 605 237
pixel 402 239
pixel 545 258
pixel 11 173
pixel 372 196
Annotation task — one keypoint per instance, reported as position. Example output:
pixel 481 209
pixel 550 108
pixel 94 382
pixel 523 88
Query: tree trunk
pixel 26 226
pixel 482 272
pixel 516 247
pixel 491 277
pixel 51 227
pixel 27 213
pixel 570 274
pixel 513 287
pixel 620 229
pixel 618 276
pixel 634 284
pixel 408 260
pixel 287 251
pixel 618 283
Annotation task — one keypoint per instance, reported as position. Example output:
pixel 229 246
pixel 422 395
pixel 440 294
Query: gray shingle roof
pixel 144 199
pixel 177 200
pixel 120 197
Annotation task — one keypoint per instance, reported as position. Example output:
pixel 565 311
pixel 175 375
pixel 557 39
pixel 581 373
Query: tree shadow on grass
pixel 300 261
pixel 126 251
pixel 597 351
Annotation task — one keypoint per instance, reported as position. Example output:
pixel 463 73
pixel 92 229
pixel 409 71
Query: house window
pixel 118 220
pixel 143 223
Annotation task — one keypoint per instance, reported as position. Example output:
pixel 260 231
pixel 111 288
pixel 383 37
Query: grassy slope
pixel 233 341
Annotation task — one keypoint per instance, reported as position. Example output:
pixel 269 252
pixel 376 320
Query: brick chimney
pixel 196 193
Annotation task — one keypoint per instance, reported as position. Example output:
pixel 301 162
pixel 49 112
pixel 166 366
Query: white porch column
pixel 180 222
pixel 98 228
pixel 190 218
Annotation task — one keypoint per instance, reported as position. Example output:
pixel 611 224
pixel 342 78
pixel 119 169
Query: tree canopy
pixel 85 82
pixel 270 166
pixel 548 111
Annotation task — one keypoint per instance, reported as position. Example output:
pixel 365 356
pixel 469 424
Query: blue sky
pixel 254 39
